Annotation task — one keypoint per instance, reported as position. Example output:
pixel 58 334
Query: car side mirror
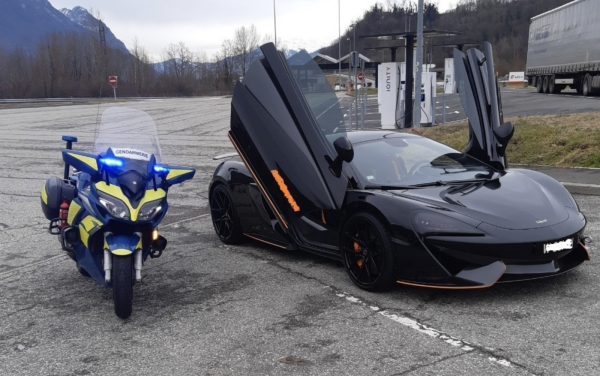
pixel 344 149
pixel 345 153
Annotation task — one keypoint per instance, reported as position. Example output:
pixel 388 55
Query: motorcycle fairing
pixel 480 97
pixel 115 191
pixel 282 143
pixel 122 245
pixel 88 226
pixel 74 210
pixel 179 174
pixel 81 161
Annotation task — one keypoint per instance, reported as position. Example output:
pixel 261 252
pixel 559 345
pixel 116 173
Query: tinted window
pixel 319 94
pixel 409 161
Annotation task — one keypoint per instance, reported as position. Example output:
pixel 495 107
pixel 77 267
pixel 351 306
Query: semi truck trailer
pixel 564 49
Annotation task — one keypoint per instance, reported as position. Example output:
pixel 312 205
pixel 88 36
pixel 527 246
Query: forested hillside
pixel 64 64
pixel 504 23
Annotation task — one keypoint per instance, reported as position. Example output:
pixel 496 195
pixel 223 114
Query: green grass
pixel 571 140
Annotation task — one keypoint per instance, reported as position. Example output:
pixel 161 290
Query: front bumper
pixel 472 265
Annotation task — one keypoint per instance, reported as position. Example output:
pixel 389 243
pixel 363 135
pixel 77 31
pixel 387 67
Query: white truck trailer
pixel 564 49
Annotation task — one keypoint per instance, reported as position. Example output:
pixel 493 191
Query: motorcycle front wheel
pixel 122 284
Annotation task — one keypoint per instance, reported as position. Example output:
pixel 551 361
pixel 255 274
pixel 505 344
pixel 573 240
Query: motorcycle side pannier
pixel 53 193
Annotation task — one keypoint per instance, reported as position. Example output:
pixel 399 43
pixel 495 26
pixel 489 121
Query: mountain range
pixel 25 23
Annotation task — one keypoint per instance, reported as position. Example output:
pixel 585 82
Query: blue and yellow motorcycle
pixel 107 213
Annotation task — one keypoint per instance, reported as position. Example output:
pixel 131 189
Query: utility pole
pixel 340 43
pixel 418 68
pixel 275 22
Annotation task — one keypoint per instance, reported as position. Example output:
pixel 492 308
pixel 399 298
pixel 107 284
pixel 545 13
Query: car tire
pixel 538 84
pixel 545 84
pixel 225 218
pixel 367 252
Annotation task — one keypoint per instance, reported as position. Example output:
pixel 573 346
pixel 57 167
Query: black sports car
pixel 393 207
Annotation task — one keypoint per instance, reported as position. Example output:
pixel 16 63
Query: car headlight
pixel 114 206
pixel 150 210
pixel 429 223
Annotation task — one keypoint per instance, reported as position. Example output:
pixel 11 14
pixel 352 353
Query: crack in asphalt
pixel 416 368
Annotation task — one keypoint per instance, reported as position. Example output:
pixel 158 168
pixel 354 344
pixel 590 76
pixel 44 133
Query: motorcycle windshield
pixel 130 133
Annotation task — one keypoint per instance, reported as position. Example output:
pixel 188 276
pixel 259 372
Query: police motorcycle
pixel 107 213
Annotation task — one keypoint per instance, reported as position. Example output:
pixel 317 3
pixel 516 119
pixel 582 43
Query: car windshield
pixel 410 161
pixel 319 94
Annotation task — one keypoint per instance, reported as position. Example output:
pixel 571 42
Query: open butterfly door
pixel 480 96
pixel 285 118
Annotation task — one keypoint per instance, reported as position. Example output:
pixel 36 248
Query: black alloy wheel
pixel 224 216
pixel 368 252
pixel 122 285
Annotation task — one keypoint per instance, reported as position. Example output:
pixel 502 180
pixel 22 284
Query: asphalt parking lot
pixel 515 101
pixel 209 309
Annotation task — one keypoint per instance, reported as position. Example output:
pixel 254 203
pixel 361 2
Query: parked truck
pixel 564 49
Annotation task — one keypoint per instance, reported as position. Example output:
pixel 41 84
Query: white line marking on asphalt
pixel 185 220
pixel 414 324
pixel 329 108
pixel 580 184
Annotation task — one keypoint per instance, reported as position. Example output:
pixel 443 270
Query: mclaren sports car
pixel 393 207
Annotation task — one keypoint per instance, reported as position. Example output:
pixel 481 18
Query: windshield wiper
pixel 390 187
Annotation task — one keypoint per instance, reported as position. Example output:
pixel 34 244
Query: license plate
pixel 558 246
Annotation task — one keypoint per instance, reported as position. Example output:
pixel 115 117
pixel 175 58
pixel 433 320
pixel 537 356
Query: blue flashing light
pixel 161 169
pixel 111 162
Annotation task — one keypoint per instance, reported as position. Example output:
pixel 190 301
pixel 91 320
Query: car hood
pixel 514 201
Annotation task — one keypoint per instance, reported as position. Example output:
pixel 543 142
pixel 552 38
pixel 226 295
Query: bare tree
pixel 179 68
pixel 245 44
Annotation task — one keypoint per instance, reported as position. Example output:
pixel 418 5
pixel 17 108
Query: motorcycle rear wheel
pixel 122 284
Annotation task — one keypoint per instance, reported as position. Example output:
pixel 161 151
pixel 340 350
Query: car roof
pixel 362 136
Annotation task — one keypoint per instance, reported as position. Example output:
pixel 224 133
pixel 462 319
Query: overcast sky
pixel 203 24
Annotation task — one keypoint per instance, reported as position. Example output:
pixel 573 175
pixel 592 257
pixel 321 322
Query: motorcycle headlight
pixel 429 223
pixel 114 206
pixel 150 210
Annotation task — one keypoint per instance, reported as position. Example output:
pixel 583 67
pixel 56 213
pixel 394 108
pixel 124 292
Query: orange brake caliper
pixel 357 249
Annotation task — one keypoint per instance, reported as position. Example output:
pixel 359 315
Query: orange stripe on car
pixel 283 187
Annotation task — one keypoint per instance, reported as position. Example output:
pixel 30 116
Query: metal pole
pixel 408 91
pixel 115 92
pixel 444 106
pixel 275 23
pixel 356 60
pixel 340 43
pixel 349 58
pixel 418 68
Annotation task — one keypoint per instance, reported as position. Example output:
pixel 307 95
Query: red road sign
pixel 360 76
pixel 112 80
